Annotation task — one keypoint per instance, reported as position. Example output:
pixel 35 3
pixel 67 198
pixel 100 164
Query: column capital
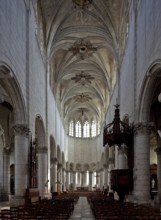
pixel 142 127
pixel 158 150
pixel 53 160
pixel 21 129
pixel 42 149
pixel 59 165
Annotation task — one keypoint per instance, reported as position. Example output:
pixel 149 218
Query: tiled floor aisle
pixel 82 210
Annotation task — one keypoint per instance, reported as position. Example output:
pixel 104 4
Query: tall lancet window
pixel 86 129
pixel 71 129
pixel 93 129
pixel 78 129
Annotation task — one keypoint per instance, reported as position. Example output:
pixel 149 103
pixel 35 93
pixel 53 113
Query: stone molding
pixel 21 129
pixel 142 127
pixel 42 150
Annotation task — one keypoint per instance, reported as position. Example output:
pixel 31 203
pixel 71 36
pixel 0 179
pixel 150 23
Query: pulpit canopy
pixel 117 132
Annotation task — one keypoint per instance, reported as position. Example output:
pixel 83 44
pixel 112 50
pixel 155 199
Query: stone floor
pixel 82 210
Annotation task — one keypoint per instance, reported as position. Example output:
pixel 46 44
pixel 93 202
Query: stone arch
pixel 13 94
pixel 52 147
pixel 52 151
pixel 148 97
pixel 59 154
pixel 13 111
pixel 98 166
pixel 63 160
pixel 86 167
pixel 67 166
pixel 71 167
pixel 93 167
pixel 146 93
pixel 78 167
pixel 39 131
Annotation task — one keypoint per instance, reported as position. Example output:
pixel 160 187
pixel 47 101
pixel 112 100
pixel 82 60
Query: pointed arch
pixel 40 131
pixel 147 90
pixel 14 95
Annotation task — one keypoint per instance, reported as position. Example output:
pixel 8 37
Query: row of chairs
pixel 106 208
pixel 58 208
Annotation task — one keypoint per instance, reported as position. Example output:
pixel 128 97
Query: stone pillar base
pixel 141 199
pixel 16 201
pixel 46 195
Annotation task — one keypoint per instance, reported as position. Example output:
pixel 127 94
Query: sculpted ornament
pixel 21 130
pixel 142 127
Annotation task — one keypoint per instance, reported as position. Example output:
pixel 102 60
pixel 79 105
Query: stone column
pixel 105 173
pixel 53 169
pixel 101 179
pixel 90 180
pixel 54 175
pixel 158 152
pixel 21 146
pixel 85 179
pixel 6 173
pixel 82 179
pixel 122 157
pixel 71 177
pixel 111 167
pixel 79 178
pixel 63 180
pixel 60 177
pixel 67 180
pixel 141 163
pixel 97 179
pixel 42 170
pixel 74 180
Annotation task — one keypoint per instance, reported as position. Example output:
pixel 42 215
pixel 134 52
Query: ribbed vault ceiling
pixel 85 40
